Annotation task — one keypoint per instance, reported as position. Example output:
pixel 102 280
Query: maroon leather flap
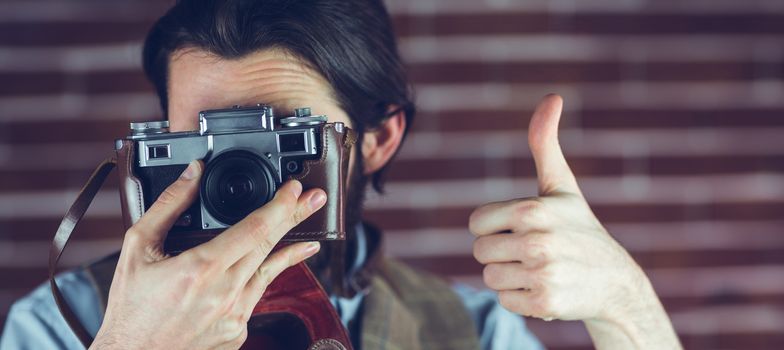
pixel 329 173
pixel 131 195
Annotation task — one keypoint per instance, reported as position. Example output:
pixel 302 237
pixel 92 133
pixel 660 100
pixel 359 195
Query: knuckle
pixel 239 340
pixel 265 242
pixel 292 258
pixel 169 195
pixel 196 272
pixel 541 305
pixel 522 243
pixel 535 244
pixel 264 275
pixel 202 266
pixel 132 231
pixel 478 249
pixel 483 249
pixel 248 312
pixel 261 232
pixel 528 210
pixel 299 215
pixel 133 237
pixel 259 252
pixel 518 241
pixel 540 211
pixel 539 254
pixel 523 206
pixel 491 276
pixel 507 300
pixel 258 223
pixel 188 279
pixel 232 329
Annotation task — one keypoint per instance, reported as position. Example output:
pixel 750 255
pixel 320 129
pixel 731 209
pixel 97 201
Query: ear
pixel 380 144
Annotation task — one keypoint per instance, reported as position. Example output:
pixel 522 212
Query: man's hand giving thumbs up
pixel 550 257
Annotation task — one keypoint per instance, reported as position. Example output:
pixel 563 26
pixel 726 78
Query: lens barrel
pixel 235 184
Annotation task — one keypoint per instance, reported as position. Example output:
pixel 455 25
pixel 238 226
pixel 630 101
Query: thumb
pixel 151 229
pixel 552 170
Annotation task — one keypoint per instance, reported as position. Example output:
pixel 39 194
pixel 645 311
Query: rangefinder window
pixel 158 151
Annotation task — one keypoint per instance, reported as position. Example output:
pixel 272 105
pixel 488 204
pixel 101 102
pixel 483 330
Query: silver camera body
pixel 247 152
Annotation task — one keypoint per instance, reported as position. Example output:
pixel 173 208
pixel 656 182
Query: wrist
pixel 104 340
pixel 622 321
pixel 635 298
pixel 636 321
pixel 108 338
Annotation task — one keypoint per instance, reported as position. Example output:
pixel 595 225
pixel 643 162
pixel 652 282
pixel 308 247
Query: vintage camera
pixel 248 153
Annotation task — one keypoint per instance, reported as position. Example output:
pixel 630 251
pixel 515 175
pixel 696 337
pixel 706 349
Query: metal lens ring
pixel 235 184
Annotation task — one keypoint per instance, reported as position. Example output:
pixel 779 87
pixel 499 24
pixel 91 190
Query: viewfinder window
pixel 291 143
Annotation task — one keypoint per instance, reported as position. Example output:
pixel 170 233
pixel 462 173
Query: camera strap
pixel 67 226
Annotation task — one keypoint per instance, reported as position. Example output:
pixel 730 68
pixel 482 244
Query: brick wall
pixel 673 126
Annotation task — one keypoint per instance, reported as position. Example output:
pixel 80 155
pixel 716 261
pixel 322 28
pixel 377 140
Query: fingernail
pixel 191 171
pixel 312 248
pixel 296 188
pixel 317 200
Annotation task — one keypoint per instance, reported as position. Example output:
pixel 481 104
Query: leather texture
pixel 296 291
pixel 67 226
pixel 131 194
pixel 329 173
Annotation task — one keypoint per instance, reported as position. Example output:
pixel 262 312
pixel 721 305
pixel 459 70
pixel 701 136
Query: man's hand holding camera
pixel 550 257
pixel 203 297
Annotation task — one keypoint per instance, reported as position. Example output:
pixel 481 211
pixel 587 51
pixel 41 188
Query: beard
pixel 332 263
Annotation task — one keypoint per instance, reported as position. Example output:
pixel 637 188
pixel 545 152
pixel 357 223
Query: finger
pixel 261 230
pixel 249 263
pixel 526 248
pixel 552 170
pixel 257 230
pixel 509 276
pixel 516 215
pixel 527 303
pixel 273 266
pixel 156 222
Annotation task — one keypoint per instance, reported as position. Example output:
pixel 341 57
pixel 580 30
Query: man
pixel 547 256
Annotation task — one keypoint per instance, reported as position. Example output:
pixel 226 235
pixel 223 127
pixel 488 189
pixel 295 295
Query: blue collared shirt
pixel 34 321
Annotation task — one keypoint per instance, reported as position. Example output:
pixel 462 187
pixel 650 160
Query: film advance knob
pixel 154 127
pixel 302 112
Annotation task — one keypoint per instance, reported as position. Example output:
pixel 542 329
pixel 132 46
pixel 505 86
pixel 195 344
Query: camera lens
pixel 235 184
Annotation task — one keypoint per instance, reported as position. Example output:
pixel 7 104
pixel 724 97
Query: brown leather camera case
pixel 329 173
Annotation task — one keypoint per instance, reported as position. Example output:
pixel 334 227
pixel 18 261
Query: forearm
pixel 643 324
